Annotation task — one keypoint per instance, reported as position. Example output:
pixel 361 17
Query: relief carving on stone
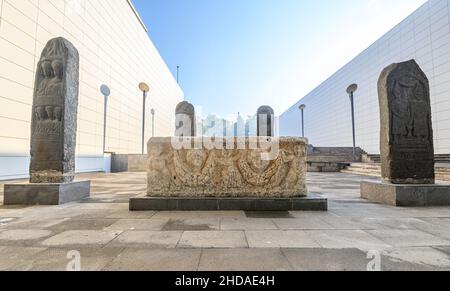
pixel 407 145
pixel 54 114
pixel 226 172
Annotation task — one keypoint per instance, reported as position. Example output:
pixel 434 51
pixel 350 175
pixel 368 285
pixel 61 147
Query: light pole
pixel 302 108
pixel 144 88
pixel 104 89
pixel 350 91
pixel 153 122
pixel 178 74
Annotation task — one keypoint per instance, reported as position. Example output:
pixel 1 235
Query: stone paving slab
pixel 139 224
pixel 396 223
pixel 77 238
pixel 13 256
pixel 193 224
pixel 408 238
pixel 415 259
pixel 23 237
pixel 306 223
pixel 32 223
pixel 213 239
pixel 247 224
pixel 126 214
pixel 147 239
pixel 83 224
pixel 280 239
pixel 54 259
pixel 243 260
pixel 156 260
pixel 344 239
pixel 319 259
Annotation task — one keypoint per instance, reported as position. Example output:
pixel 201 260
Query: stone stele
pixel 407 149
pixel 53 131
pixel 221 173
pixel 265 121
pixel 185 124
pixel 54 118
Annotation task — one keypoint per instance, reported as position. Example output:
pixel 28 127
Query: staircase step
pixel 442 174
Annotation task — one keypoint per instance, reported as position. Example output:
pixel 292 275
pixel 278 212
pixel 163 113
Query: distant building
pixel 423 36
pixel 251 126
pixel 220 127
pixel 114 50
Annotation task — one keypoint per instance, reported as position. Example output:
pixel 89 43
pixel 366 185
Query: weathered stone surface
pixel 137 163
pixel 406 195
pixel 266 121
pixel 46 194
pixel 226 172
pixel 186 124
pixel 407 148
pixel 54 118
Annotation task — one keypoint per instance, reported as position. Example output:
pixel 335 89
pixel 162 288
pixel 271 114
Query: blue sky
pixel 236 55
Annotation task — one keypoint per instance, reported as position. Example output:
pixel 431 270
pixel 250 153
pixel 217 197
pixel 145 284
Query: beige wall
pixel 423 36
pixel 114 49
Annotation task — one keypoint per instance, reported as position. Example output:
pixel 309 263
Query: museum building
pixel 115 50
pixel 423 36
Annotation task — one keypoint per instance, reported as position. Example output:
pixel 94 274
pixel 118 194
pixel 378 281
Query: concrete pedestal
pixel 311 203
pixel 406 195
pixel 46 194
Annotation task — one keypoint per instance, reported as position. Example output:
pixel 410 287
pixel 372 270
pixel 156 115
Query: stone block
pixel 46 194
pixel 229 170
pixel 406 195
pixel 311 203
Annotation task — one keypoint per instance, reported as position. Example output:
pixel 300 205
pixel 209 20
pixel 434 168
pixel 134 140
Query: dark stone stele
pixel 185 125
pixel 265 121
pixel 407 149
pixel 53 128
pixel 313 202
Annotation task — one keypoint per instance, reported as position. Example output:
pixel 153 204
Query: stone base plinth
pixel 310 203
pixel 46 194
pixel 406 195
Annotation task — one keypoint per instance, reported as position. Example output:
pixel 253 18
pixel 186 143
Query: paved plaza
pixel 350 236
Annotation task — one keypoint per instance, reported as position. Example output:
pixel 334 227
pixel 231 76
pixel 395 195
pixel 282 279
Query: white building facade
pixel 423 36
pixel 114 50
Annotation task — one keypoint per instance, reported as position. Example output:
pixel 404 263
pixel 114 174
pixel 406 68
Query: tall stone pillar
pixel 266 121
pixel 186 123
pixel 53 130
pixel 407 148
pixel 54 118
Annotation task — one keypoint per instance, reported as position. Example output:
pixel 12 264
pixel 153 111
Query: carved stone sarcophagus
pixel 237 170
pixel 54 115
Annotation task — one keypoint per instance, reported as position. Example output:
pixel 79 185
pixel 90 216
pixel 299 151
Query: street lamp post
pixel 153 122
pixel 302 108
pixel 106 92
pixel 144 88
pixel 350 91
